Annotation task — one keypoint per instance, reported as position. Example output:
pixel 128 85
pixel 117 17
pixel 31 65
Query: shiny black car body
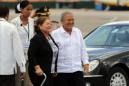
pixel 109 59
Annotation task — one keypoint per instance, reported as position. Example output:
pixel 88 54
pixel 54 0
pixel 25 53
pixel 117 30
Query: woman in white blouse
pixel 24 23
pixel 25 26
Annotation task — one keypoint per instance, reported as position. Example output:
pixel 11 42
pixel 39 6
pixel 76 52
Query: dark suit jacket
pixel 40 53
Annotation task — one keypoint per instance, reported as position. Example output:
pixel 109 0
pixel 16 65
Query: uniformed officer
pixel 45 13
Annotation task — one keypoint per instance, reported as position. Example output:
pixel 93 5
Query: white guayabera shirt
pixel 72 52
pixel 11 50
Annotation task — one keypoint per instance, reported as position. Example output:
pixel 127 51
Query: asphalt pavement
pixel 87 19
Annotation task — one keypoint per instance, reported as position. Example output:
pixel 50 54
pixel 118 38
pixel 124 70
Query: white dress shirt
pixel 72 52
pixel 11 50
pixel 26 32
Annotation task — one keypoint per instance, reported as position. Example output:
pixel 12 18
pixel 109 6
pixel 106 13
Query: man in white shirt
pixel 11 51
pixel 73 57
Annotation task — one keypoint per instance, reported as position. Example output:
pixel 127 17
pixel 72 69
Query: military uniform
pixel 44 12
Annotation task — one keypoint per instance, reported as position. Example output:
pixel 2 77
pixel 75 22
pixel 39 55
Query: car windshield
pixel 110 35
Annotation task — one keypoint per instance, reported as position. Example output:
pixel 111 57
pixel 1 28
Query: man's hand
pixel 86 68
pixel 22 76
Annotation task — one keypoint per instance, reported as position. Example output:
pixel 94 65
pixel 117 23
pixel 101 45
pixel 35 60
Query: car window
pixel 113 35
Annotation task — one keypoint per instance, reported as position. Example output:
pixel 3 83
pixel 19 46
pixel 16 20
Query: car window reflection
pixel 111 35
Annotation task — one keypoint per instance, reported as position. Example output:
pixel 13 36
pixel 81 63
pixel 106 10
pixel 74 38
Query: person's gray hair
pixel 64 14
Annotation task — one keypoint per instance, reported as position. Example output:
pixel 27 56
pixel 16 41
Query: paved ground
pixel 86 19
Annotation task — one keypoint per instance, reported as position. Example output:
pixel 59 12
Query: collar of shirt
pixel 20 22
pixel 66 33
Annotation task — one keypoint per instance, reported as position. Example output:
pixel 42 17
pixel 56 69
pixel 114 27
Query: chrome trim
pixel 90 76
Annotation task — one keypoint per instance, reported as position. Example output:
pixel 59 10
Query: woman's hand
pixel 38 70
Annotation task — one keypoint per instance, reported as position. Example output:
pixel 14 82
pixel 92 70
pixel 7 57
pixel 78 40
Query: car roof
pixel 117 23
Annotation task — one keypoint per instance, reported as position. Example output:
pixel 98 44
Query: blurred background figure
pixel 44 12
pixel 25 27
pixel 41 12
pixel 55 25
pixel 24 23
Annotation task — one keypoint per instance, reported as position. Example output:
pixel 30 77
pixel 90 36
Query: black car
pixel 108 49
